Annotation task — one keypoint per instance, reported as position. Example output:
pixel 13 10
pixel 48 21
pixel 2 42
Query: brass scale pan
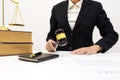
pixel 16 24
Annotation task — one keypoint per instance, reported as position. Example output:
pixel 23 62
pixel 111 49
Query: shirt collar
pixel 71 4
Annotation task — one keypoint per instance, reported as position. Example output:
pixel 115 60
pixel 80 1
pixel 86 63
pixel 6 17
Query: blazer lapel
pixel 83 12
pixel 65 16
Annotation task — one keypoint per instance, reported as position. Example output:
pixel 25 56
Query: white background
pixel 36 15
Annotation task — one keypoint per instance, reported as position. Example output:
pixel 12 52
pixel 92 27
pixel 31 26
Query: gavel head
pixel 61 37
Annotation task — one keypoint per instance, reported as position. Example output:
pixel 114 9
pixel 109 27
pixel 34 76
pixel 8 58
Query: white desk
pixel 66 67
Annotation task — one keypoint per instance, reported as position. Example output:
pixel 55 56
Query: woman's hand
pixel 87 50
pixel 51 45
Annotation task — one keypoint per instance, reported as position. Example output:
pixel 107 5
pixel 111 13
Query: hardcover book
pixel 15 36
pixel 15 48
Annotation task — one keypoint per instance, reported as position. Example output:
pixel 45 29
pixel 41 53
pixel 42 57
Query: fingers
pixel 90 53
pixel 80 51
pixel 85 51
pixel 51 45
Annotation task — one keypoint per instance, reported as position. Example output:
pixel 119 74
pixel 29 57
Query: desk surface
pixel 66 67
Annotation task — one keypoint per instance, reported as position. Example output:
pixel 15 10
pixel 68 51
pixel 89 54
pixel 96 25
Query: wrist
pixel 97 48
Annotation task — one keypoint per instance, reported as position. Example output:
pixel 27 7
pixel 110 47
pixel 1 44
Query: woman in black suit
pixel 78 19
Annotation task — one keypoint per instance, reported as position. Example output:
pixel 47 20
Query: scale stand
pixel 3 27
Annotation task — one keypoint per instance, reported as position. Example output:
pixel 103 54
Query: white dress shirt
pixel 73 11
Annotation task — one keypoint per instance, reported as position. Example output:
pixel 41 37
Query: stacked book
pixel 15 42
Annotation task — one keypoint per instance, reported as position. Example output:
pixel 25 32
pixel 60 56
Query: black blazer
pixel 91 15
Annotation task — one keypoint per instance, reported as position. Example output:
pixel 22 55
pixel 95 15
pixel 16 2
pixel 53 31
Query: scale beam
pixel 14 1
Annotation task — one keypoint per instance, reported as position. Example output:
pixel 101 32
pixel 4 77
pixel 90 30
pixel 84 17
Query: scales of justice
pixel 15 17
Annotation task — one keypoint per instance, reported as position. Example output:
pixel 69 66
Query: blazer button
pixel 70 48
pixel 70 34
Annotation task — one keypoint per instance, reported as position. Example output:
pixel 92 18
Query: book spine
pixel 14 49
pixel 13 36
